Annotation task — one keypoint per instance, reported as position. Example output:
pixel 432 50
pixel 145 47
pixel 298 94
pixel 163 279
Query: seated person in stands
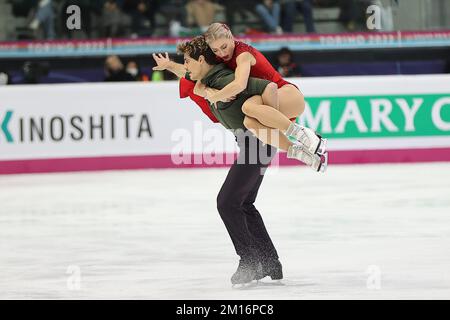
pixel 201 13
pixel 135 71
pixel 270 13
pixel 285 64
pixel 290 9
pixel 115 70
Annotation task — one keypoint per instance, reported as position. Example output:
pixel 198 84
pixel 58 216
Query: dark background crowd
pixel 46 19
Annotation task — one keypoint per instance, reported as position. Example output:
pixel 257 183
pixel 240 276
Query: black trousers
pixel 235 201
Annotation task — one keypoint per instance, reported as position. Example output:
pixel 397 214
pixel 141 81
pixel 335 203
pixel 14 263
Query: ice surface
pixel 156 234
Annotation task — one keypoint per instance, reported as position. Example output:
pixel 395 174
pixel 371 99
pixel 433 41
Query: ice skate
pixel 271 268
pixel 317 162
pixel 245 273
pixel 314 142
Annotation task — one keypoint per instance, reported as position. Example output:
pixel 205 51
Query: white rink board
pixel 166 115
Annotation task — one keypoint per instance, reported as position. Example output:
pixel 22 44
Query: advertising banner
pixel 129 125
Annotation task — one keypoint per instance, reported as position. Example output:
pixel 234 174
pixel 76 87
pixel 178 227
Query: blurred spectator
pixel 34 71
pixel 269 11
pixel 348 13
pixel 115 22
pixel 290 8
pixel 142 13
pixel 158 76
pixel 22 8
pixel 233 7
pixel 135 71
pixel 285 64
pixel 115 71
pixel 201 13
pixel 175 12
pixel 44 18
pixel 90 9
pixel 4 78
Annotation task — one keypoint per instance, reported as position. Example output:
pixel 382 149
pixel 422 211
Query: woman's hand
pixel 162 62
pixel 212 97
pixel 229 99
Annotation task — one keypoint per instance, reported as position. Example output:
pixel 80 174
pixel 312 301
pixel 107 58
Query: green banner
pixel 379 116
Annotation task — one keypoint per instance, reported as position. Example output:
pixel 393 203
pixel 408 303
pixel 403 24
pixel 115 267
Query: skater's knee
pixel 226 203
pixel 250 209
pixel 248 108
pixel 301 104
pixel 292 102
pixel 298 104
pixel 271 90
pixel 250 123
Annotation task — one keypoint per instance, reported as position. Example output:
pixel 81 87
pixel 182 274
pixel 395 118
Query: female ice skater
pixel 252 97
pixel 248 61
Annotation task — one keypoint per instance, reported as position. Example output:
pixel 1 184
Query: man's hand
pixel 162 62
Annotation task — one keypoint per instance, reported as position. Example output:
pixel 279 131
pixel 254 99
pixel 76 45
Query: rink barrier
pixel 83 127
pixel 296 42
pixel 338 157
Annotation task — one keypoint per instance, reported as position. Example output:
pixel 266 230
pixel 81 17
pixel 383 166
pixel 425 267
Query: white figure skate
pixel 318 162
pixel 314 142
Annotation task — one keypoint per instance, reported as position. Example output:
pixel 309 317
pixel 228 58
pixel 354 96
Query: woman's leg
pixel 288 99
pixel 270 96
pixel 291 101
pixel 273 127
pixel 271 136
pixel 277 139
pixel 268 116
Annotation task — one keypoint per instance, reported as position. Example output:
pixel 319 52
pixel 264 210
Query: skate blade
pixel 258 284
pixel 324 163
pixel 244 286
pixel 322 147
pixel 273 283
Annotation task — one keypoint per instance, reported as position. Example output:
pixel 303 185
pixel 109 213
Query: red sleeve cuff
pixel 186 87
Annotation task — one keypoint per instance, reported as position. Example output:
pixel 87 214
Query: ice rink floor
pixel 357 232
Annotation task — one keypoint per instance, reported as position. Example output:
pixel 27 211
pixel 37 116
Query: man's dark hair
pixel 198 47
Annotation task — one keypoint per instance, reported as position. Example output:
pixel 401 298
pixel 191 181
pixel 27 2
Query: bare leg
pixel 291 101
pixel 267 135
pixel 288 99
pixel 270 96
pixel 266 115
pixel 270 117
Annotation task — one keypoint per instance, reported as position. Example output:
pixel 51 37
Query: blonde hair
pixel 217 31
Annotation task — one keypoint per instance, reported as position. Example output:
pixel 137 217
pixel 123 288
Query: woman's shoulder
pixel 241 47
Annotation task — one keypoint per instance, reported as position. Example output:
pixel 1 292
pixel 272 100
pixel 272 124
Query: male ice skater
pixel 235 202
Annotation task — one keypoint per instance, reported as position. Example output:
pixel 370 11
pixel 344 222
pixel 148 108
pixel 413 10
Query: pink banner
pixel 165 161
